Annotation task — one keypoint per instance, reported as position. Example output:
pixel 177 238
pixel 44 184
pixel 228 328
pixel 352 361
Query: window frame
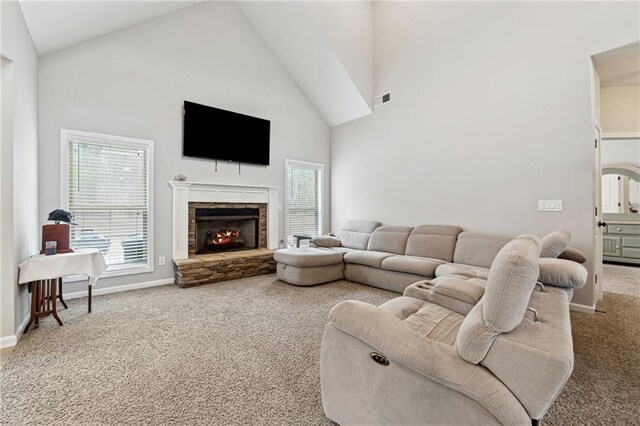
pixel 120 141
pixel 310 165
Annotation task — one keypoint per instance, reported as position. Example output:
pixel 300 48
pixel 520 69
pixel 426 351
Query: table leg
pixel 33 307
pixel 89 292
pixel 54 309
pixel 60 293
pixel 39 307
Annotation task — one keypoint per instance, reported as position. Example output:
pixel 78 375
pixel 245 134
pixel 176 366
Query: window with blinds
pixel 108 193
pixel 304 199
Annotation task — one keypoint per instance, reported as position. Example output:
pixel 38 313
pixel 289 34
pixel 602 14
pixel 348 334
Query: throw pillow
pixel 326 241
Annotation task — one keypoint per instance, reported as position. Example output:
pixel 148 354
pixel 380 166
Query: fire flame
pixel 225 237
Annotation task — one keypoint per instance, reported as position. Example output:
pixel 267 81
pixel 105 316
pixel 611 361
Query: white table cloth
pixel 42 267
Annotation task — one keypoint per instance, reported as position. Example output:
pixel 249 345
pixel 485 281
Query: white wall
pixel 491 112
pixel 621 151
pixel 133 83
pixel 19 205
pixel 620 106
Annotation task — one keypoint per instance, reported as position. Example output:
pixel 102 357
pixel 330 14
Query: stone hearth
pixel 213 268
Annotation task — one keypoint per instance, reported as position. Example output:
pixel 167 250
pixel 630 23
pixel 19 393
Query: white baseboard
pixel 8 341
pixel 12 340
pixel 582 308
pixel 118 288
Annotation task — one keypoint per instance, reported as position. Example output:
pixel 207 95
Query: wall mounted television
pixel 217 134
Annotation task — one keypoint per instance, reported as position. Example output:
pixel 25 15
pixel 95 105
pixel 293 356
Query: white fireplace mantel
pixel 185 192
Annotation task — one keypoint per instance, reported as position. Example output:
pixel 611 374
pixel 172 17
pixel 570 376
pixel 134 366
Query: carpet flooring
pixel 604 388
pixel 247 352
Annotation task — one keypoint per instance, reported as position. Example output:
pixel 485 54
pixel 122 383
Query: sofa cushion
pixel 511 280
pixel 510 283
pixel 469 291
pixel 449 269
pixel 427 319
pixel 412 265
pixel 573 254
pixel 478 249
pixel 305 257
pixel 433 241
pixel 555 243
pixel 341 250
pixel 355 233
pixel 562 273
pixel 366 258
pixel 390 239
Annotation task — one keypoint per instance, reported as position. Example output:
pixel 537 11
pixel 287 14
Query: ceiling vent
pixel 380 100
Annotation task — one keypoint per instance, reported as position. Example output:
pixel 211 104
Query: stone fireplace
pixel 223 232
pixel 226 227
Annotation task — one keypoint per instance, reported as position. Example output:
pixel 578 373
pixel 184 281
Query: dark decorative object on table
pixel 58 232
pixel 59 215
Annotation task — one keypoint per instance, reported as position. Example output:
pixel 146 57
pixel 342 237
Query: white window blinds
pixel 108 195
pixel 304 189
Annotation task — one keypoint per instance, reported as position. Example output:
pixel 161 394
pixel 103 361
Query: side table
pixel 44 275
pixel 299 238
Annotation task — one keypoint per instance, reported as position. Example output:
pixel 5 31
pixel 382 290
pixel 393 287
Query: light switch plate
pixel 549 205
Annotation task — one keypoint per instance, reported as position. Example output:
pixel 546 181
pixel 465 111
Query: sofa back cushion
pixel 511 280
pixel 554 243
pixel 390 239
pixel 477 249
pixel 434 241
pixel 355 233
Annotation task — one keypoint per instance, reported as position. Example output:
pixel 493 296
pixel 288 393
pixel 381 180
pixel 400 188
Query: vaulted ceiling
pixel 329 58
pixel 55 25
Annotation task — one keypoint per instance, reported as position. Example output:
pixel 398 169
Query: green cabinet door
pixel 611 246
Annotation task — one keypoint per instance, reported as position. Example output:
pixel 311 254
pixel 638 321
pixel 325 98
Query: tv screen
pixel 217 134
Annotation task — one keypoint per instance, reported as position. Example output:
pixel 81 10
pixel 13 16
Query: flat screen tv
pixel 216 134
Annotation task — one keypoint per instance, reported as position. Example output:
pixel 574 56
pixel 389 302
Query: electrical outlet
pixel 549 205
pixel 162 260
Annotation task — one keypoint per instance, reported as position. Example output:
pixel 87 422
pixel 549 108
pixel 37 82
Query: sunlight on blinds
pixel 303 201
pixel 108 197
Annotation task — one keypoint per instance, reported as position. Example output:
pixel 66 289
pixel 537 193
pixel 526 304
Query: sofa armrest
pixel 326 241
pixel 457 294
pixel 562 273
pixel 436 361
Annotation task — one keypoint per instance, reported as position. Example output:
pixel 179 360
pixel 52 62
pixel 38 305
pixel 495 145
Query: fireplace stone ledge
pixel 213 268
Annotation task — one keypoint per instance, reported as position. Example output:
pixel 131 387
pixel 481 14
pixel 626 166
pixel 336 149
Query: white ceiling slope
pixel 619 67
pixel 296 38
pixel 55 25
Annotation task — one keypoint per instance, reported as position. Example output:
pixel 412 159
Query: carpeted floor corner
pixel 247 352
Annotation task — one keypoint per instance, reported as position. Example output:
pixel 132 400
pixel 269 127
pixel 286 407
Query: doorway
pixel 617 170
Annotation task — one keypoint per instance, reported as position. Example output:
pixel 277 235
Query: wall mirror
pixel 621 189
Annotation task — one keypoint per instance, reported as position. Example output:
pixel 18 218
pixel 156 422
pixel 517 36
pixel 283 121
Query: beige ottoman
pixel 308 266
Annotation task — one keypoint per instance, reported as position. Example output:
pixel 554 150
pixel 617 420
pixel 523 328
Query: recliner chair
pixel 451 351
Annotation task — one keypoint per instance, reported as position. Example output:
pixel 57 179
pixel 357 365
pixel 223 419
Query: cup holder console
pixel 424 285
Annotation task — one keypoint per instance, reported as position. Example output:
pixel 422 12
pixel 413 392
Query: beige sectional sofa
pixel 453 350
pixel 480 335
pixel 394 257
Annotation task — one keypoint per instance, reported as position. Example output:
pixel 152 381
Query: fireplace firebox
pixel 226 229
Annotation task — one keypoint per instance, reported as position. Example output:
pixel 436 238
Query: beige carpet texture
pixel 247 352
